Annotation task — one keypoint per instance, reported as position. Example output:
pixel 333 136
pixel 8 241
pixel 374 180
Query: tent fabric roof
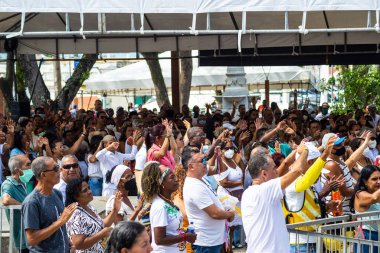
pixel 114 26
pixel 137 76
pixel 182 6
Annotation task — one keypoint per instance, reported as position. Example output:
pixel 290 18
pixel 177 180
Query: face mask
pixel 328 127
pixel 356 133
pixel 313 115
pixel 229 153
pixel 130 185
pixel 110 127
pixel 28 174
pixel 205 148
pixel 367 153
pixel 340 152
pixel 202 122
pixel 305 117
pixel 226 122
pixel 325 111
pixel 372 144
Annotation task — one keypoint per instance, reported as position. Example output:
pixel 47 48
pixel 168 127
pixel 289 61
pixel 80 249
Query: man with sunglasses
pixel 44 214
pixel 69 170
pixel 202 204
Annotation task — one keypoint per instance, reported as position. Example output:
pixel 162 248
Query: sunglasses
pixel 55 169
pixel 68 166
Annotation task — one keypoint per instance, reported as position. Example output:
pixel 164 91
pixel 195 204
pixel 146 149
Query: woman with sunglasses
pixel 87 231
pixel 230 180
pixel 158 184
pixel 123 178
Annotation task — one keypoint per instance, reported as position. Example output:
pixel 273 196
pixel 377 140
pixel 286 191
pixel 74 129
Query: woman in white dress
pixel 230 179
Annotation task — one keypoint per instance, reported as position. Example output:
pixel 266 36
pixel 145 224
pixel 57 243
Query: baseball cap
pixel 327 136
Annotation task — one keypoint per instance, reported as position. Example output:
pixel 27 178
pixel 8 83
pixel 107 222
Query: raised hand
pixel 11 126
pixel 259 123
pixel 117 201
pixel 187 124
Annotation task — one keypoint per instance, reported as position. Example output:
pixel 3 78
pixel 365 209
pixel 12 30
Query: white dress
pixel 234 175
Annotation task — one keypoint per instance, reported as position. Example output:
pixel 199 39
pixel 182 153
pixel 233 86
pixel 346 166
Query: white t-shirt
pixel 124 211
pixel 162 214
pixel 141 158
pixel 263 218
pixel 197 196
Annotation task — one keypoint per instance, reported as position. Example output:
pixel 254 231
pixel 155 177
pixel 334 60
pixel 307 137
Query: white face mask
pixel 305 117
pixel 205 148
pixel 229 153
pixel 367 153
pixel 110 127
pixel 372 144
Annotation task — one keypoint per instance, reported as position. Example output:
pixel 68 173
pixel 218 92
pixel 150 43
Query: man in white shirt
pixel 263 218
pixel 324 112
pixel 109 157
pixel 69 170
pixel 202 205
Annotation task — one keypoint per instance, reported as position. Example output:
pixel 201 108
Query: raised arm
pixel 352 160
pixel 295 171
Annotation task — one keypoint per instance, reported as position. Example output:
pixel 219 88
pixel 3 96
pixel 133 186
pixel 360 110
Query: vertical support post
pixel 267 91
pixel 295 98
pixel 175 81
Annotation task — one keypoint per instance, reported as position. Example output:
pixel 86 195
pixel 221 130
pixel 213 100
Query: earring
pixel 163 187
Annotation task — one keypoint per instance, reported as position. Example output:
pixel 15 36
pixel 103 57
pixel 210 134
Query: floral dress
pixel 83 223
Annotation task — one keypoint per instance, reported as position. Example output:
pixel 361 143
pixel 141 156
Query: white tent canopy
pixel 98 26
pixel 137 76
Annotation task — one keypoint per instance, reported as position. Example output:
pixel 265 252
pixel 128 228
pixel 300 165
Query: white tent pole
pixel 194 24
pixel 208 21
pixel 377 26
pixel 102 27
pixel 302 27
pixel 244 22
pixel 58 34
pixel 81 31
pixel 67 18
pixel 369 17
pixel 133 22
pixel 286 20
pixel 11 35
pixel 142 23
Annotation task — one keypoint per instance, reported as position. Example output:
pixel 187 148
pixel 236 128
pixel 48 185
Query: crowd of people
pixel 277 166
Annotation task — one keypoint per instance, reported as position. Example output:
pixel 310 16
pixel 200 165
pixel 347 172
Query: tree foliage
pixel 357 87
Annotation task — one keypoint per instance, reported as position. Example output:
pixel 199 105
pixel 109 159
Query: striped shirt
pixel 347 180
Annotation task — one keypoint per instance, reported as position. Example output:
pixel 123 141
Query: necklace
pixel 169 201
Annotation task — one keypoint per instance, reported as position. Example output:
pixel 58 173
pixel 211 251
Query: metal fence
pixel 7 227
pixel 343 234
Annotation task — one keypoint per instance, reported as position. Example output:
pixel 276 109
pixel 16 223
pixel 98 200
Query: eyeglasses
pixel 55 169
pixel 200 135
pixel 68 166
pixel 85 190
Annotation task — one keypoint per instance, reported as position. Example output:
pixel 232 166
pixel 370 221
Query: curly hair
pixel 150 181
pixel 180 173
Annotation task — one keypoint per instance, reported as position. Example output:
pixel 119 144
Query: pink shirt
pixel 166 160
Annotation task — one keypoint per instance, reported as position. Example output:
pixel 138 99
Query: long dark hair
pixel 94 143
pixel 73 189
pixel 156 131
pixel 365 174
pixel 124 236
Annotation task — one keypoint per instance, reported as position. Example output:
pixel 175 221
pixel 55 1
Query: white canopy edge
pixel 183 6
